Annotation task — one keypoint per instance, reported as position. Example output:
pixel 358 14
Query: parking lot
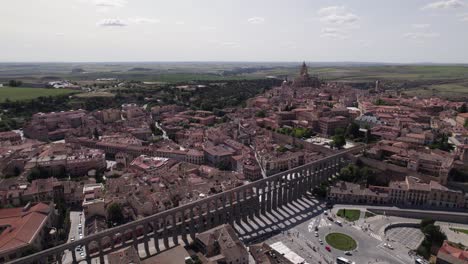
pixel 408 236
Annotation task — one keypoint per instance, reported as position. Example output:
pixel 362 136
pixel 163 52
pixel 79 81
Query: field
pixel 20 93
pixel 369 214
pixel 349 214
pixel 341 241
pixel 465 231
pixel 450 90
pixel 425 80
pixel 95 94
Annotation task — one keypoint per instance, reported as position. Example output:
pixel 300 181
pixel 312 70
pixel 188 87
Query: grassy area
pixel 95 94
pixel 449 90
pixel 369 214
pixel 349 214
pixel 341 241
pixel 20 93
pixel 465 231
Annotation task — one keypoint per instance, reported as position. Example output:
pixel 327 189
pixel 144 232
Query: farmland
pixel 20 93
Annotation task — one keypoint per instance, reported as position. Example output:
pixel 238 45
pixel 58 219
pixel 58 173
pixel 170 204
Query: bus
pixel 341 260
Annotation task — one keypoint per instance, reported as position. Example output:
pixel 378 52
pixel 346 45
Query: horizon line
pixel 246 61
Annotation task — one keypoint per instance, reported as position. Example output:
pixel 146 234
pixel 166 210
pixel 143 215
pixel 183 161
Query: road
pixel 294 226
pixel 76 219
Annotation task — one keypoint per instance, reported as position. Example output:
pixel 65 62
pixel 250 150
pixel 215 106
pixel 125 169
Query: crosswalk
pixel 376 236
pixel 319 222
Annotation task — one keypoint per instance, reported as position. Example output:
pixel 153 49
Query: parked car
pixel 338 223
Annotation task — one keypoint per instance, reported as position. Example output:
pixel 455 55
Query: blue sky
pixel 234 30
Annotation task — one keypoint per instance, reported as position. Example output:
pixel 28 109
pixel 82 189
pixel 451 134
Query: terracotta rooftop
pixel 21 225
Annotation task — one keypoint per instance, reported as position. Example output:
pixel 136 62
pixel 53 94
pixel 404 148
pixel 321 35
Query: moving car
pixel 341 260
pixel 316 234
pixel 388 246
pixel 320 241
pixel 338 223
pixel 328 248
pixel 348 253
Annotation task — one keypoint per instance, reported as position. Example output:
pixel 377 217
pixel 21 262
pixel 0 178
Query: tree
pixel 339 139
pixel 114 214
pixel 441 142
pixel 352 131
pixel 14 83
pixel 425 222
pixel 261 114
pixel 156 131
pixel 96 133
pixel 463 108
pixel 368 135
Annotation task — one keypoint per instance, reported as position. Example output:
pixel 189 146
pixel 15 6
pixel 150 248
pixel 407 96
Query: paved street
pixel 408 236
pixel 76 219
pixel 294 227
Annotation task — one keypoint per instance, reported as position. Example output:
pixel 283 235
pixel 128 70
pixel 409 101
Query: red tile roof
pixel 21 225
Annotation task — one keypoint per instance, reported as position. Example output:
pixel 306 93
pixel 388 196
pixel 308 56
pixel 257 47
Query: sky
pixel 400 31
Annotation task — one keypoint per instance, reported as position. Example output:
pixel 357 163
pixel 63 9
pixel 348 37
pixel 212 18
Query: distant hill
pixel 139 69
pixel 77 70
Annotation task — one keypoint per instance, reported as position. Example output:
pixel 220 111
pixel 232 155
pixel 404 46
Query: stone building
pixel 221 245
pixel 24 229
pixel 305 80
pixel 410 192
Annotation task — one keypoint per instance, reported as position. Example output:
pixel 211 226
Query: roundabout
pixel 341 241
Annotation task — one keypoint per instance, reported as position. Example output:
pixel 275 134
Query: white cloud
pixel 421 35
pixel 256 20
pixel 207 28
pixel 180 22
pixel 445 4
pixel 330 9
pixel 289 45
pixel 339 15
pixel 117 22
pixel 143 20
pixel 112 22
pixel 464 18
pixel 420 26
pixel 365 43
pixel 110 3
pixel 333 33
pixel 230 44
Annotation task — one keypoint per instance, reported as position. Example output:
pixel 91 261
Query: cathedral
pixel 305 80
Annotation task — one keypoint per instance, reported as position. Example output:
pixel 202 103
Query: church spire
pixel 304 70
